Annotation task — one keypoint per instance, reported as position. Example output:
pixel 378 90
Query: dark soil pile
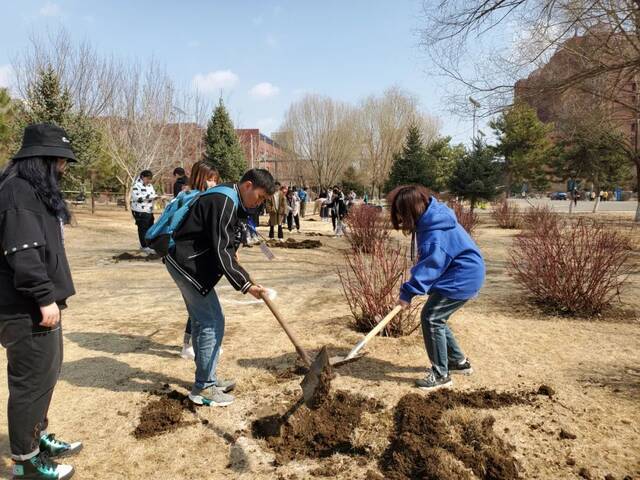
pixel 316 433
pixel 163 415
pixel 292 243
pixel 425 445
pixel 135 256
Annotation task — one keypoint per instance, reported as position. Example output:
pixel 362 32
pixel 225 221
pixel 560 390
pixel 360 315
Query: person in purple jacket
pixel 450 269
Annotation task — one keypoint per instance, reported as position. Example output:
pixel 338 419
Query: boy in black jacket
pixel 205 250
pixel 35 283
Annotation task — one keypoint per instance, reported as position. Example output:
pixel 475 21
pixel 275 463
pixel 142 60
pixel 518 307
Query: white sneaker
pixel 187 352
pixel 149 251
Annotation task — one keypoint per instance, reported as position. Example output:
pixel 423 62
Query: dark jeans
pixel 290 219
pixel 34 358
pixel 271 231
pixel 144 221
pixel 439 341
pixel 187 329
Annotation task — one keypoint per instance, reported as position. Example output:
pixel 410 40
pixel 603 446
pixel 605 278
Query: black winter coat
pixel 34 270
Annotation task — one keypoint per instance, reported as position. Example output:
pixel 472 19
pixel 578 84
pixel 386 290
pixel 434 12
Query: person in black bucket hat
pixel 35 283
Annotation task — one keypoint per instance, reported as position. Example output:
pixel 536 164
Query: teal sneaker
pixel 210 397
pixel 41 467
pixel 57 448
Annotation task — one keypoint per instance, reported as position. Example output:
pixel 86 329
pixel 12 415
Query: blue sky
pixel 263 54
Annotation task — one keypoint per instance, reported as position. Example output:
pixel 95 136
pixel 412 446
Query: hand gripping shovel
pixel 353 354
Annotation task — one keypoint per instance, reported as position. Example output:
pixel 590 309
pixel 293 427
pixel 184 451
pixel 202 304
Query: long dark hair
pixel 200 173
pixel 408 203
pixel 42 173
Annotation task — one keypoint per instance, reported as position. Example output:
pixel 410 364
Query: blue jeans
pixel 439 341
pixel 207 328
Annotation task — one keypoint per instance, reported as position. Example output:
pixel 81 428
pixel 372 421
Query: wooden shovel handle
pixel 301 351
pixel 374 331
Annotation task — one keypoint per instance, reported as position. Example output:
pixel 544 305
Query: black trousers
pixel 271 231
pixel 34 358
pixel 144 221
pixel 290 219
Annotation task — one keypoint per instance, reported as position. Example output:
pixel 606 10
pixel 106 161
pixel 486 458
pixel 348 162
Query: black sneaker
pixel 463 368
pixel 41 467
pixel 56 448
pixel 431 382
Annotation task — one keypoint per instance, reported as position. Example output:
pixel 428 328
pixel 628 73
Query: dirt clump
pixel 316 433
pixel 585 473
pixel 546 390
pixel 164 414
pixel 565 435
pixel 136 256
pixel 294 244
pixel 428 444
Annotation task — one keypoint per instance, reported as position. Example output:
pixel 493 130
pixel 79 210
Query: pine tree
pixel 441 159
pixel 7 127
pixel 410 166
pixel 523 141
pixel 222 145
pixel 476 174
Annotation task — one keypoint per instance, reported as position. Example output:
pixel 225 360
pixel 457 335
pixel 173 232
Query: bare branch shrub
pixel 366 225
pixel 370 283
pixel 577 269
pixel 506 215
pixel 467 218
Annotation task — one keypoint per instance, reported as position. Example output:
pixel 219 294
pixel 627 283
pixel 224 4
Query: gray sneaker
pixel 225 385
pixel 210 397
pixel 430 382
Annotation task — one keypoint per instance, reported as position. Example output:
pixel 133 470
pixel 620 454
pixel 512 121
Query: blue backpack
pixel 160 235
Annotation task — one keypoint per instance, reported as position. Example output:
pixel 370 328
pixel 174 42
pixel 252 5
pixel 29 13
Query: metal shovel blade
pixel 316 383
pixel 338 361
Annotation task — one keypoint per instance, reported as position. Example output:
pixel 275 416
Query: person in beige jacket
pixel 276 207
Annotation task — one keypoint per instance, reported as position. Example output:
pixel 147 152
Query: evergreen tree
pixel 410 166
pixel 476 174
pixel 7 126
pixel 222 145
pixel 48 101
pixel 441 158
pixel 523 141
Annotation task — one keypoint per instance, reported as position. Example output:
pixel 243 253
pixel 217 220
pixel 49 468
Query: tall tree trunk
pixel 126 197
pixel 638 189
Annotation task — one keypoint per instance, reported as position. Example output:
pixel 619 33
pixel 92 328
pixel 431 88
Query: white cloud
pixel 193 44
pixel 50 9
pixel 264 90
pixel 6 76
pixel 213 82
pixel 272 41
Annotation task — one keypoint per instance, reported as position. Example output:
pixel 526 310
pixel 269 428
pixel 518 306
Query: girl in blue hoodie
pixel 450 269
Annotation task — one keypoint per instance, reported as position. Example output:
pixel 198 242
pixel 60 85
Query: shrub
pixel 541 218
pixel 466 217
pixel 506 215
pixel 366 225
pixel 576 269
pixel 371 282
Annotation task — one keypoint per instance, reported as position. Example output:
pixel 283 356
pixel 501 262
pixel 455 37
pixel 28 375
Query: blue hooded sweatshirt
pixel 449 261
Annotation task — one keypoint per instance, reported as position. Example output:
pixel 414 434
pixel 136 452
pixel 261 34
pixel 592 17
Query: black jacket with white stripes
pixel 206 243
pixel 33 265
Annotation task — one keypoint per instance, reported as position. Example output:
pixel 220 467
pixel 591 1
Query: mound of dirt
pixel 163 415
pixel 135 256
pixel 292 243
pixel 316 433
pixel 426 444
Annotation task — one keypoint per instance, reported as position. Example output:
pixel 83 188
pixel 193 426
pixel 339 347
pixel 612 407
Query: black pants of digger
pixel 34 358
pixel 144 221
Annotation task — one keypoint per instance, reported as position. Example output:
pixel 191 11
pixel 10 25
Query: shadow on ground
pixel 120 343
pixel 114 375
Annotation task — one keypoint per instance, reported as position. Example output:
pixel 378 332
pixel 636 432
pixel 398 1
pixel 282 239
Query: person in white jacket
pixel 142 196
pixel 293 210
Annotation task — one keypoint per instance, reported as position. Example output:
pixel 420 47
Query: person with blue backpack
pixel 198 237
pixel 450 269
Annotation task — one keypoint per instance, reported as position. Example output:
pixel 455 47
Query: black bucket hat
pixel 45 140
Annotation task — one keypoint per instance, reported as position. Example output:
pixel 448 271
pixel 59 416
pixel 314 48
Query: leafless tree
pixel 323 133
pixel 383 124
pixel 488 45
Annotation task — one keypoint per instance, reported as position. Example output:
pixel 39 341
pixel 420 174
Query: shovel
pixel 315 383
pixel 353 354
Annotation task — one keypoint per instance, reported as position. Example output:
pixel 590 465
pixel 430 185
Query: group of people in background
pixel 334 205
pixel 287 204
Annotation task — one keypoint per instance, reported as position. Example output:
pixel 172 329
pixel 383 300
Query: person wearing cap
pixel 35 283
pixel 142 197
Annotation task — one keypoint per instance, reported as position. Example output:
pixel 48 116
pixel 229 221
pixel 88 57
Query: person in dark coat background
pixel 181 181
pixel 35 283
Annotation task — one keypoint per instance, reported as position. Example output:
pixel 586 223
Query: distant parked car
pixel 558 196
